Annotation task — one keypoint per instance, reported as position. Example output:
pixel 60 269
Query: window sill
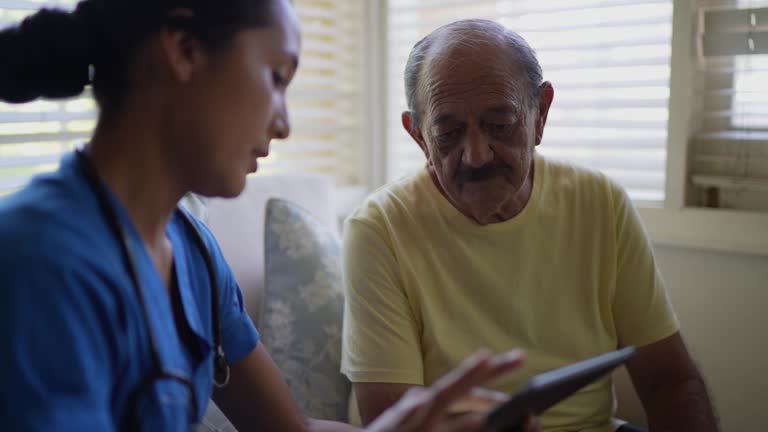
pixel 720 230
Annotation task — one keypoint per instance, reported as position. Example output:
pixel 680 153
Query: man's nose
pixel 477 150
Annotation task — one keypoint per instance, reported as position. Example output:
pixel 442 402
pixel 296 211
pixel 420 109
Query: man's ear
pixel 546 95
pixel 183 53
pixel 414 132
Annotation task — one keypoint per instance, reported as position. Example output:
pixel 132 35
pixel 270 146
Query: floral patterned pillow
pixel 303 308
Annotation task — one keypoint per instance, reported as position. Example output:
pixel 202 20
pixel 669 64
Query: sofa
pixel 240 227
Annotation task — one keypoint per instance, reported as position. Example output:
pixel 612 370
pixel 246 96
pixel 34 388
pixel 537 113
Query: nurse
pixel 118 310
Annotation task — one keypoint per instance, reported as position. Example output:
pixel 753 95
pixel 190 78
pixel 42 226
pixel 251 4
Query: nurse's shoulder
pixel 55 215
pixel 56 244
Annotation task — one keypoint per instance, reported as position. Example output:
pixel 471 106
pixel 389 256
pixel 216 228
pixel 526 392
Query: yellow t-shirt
pixel 572 276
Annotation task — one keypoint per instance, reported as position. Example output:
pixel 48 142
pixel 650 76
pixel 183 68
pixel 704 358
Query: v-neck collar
pixel 183 282
pixel 156 296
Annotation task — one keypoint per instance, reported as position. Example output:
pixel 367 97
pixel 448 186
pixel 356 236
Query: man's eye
pixel 449 135
pixel 499 128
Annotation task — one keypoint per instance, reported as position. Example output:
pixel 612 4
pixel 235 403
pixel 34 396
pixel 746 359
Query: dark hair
pixel 55 54
pixel 464 31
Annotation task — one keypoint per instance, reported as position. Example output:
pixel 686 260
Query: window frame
pixel 679 223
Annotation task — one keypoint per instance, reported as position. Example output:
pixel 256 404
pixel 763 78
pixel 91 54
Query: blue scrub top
pixel 75 345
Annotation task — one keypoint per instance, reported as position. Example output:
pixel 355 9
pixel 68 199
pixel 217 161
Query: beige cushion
pixel 238 225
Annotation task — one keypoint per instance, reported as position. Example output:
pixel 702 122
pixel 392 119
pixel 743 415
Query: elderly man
pixel 494 246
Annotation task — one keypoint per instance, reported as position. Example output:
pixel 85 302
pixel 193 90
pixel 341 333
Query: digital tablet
pixel 546 389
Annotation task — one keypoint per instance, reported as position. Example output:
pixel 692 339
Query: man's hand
pixel 426 409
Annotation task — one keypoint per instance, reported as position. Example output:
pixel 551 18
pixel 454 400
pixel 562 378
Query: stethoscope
pixel 221 371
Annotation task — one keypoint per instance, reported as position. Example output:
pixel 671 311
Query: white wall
pixel 722 303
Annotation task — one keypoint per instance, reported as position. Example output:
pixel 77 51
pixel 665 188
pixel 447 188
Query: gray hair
pixel 461 32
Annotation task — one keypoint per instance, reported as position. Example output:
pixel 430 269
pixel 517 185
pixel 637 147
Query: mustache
pixel 485 172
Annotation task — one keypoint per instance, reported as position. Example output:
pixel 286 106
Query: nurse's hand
pixel 428 409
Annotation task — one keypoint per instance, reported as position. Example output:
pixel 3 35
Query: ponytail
pixel 47 55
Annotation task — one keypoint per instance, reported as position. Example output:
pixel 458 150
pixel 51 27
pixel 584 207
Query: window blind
pixel 607 59
pixel 325 98
pixel 324 104
pixel 730 143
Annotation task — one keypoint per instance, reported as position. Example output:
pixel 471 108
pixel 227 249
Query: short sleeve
pixel 59 336
pixel 239 335
pixel 642 310
pixel 380 335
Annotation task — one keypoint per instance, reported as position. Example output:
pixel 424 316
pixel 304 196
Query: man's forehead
pixel 450 113
pixel 462 70
pixel 486 93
